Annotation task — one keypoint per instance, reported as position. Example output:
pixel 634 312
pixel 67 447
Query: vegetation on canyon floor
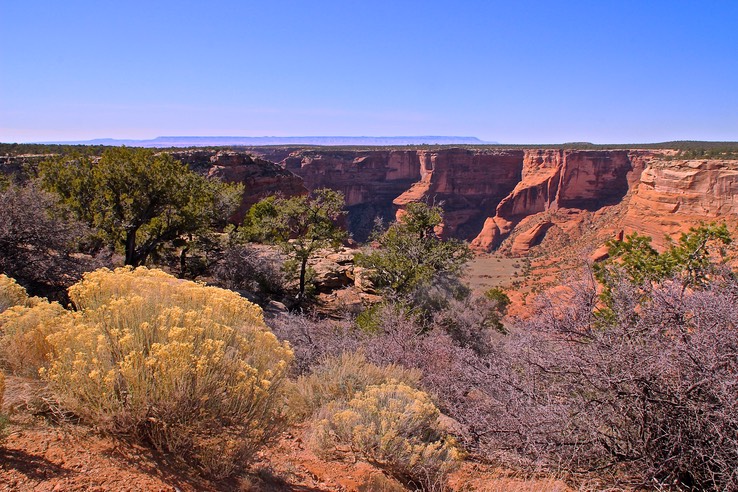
pixel 628 376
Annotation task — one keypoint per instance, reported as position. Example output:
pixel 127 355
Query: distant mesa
pixel 164 142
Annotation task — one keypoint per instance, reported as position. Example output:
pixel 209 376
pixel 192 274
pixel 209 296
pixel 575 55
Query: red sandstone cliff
pixel 560 179
pixel 259 177
pixel 514 199
pixel 377 183
pixel 673 195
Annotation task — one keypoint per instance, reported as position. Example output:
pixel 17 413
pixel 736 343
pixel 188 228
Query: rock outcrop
pixel 470 184
pixel 369 180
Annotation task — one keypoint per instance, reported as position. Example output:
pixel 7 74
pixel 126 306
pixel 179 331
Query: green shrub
pixel 340 378
pixel 191 369
pixel 393 426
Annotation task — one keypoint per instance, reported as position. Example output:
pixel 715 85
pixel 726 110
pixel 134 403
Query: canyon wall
pixel 507 200
pixel 673 195
pixel 260 178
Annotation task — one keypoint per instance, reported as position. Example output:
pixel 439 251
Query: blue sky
pixel 515 71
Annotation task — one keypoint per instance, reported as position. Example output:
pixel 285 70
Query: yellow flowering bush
pixel 339 378
pixel 11 294
pixel 24 349
pixel 393 426
pixel 191 369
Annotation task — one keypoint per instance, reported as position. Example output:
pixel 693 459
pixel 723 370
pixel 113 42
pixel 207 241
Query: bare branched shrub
pixel 24 329
pixel 191 369
pixel 472 322
pixel 38 242
pixel 393 426
pixel 451 373
pixel 652 391
pixel 312 339
pixel 243 267
pixel 340 378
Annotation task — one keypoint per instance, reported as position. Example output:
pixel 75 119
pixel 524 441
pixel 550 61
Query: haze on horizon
pixel 511 72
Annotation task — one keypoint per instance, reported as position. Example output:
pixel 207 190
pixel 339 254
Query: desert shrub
pixel 471 322
pixel 312 339
pixel 393 426
pixel 24 348
pixel 191 369
pixel 652 393
pixel 243 267
pixel 340 378
pixel 11 294
pixel 38 241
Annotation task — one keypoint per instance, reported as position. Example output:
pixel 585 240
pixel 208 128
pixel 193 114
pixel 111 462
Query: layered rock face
pixel 671 196
pixel 514 199
pixel 259 177
pixel 560 179
pixel 377 183
pixel 469 184
pixel 369 180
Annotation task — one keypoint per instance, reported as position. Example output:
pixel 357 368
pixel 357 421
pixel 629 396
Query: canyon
pixel 511 201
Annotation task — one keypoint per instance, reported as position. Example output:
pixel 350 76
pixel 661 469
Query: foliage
pixel 313 339
pixel 411 258
pixel 693 258
pixel 394 426
pixel 340 378
pixel 138 200
pixel 11 294
pixel 38 240
pixel 472 321
pixel 191 369
pixel 300 225
pixel 24 348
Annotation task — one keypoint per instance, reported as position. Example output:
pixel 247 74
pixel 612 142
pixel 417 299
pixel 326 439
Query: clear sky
pixel 512 71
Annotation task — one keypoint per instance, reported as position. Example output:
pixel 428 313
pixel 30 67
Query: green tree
pixel 691 260
pixel 299 225
pixel 139 200
pixel 411 256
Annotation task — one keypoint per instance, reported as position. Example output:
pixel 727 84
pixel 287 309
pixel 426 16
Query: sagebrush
pixel 189 368
pixel 393 426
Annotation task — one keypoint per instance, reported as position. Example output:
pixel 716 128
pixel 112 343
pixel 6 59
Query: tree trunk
pixel 131 258
pixel 303 270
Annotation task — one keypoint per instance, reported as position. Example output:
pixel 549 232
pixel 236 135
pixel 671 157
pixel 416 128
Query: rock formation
pixel 512 200
pixel 561 179
pixel 673 195
pixel 260 178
